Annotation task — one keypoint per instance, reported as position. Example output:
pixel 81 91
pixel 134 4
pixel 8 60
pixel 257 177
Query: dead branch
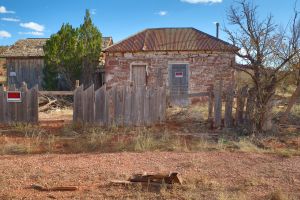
pixel 53 189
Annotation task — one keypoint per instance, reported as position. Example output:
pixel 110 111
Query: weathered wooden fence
pixel 120 105
pixel 221 104
pixel 25 111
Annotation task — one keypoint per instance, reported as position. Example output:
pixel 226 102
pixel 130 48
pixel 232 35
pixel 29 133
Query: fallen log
pixel 170 178
pixel 47 106
pixel 53 189
pixel 151 184
pixel 151 179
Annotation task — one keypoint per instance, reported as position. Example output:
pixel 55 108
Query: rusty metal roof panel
pixel 171 39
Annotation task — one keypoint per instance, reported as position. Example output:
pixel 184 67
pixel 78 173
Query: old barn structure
pixel 2 66
pixel 186 60
pixel 25 60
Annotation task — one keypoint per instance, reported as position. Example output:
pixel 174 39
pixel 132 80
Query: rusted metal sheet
pixel 171 39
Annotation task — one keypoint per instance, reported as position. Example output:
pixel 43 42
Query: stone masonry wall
pixel 204 67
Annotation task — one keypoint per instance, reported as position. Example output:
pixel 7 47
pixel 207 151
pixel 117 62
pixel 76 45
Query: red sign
pixel 178 74
pixel 14 96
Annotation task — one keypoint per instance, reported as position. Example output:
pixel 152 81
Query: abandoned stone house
pixel 25 61
pixel 186 60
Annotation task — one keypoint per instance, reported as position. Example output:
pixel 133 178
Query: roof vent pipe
pixel 217 29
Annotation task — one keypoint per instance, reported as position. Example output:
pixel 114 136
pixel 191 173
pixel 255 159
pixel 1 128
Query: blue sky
pixel 122 18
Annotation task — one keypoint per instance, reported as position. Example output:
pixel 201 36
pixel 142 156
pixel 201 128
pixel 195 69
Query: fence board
pixel 12 107
pixel 120 105
pixel 119 108
pixel 218 104
pixel 163 104
pixel 78 105
pixel 89 104
pixel 228 119
pixel 140 93
pixel 152 104
pixel 32 105
pixel 210 103
pixel 3 106
pixel 22 107
pixel 240 103
pixel 147 108
pixel 127 109
pixel 100 106
pixel 110 106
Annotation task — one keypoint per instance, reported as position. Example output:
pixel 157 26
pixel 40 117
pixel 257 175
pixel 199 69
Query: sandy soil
pixel 207 175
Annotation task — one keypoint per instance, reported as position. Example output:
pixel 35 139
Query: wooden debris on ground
pixel 289 127
pixel 53 189
pixel 151 179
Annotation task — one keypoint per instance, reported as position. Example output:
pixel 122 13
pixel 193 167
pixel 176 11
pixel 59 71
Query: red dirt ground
pixel 207 175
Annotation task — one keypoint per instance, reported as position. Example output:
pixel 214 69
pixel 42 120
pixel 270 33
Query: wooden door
pixel 179 84
pixel 138 75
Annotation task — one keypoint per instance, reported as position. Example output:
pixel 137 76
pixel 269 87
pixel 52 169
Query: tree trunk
pixel 291 103
pixel 264 106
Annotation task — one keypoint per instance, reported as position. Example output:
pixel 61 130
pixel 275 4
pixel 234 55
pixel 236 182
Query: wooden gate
pixel 25 111
pixel 179 84
pixel 120 105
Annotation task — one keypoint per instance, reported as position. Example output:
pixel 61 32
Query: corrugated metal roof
pixel 33 47
pixel 171 39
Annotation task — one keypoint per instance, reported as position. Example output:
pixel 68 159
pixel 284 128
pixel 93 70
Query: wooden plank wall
pixel 23 112
pixel 120 105
pixel 28 70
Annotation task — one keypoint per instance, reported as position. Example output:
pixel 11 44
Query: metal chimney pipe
pixel 217 29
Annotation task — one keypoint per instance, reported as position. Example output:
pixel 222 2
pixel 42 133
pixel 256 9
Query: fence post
pixel 78 105
pixel 240 103
pixel 32 105
pixel 100 106
pixel 22 107
pixel 12 107
pixel 89 105
pixel 3 106
pixel 76 84
pixel 210 102
pixel 218 103
pixel 228 120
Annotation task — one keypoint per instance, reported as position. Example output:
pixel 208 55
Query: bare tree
pixel 266 48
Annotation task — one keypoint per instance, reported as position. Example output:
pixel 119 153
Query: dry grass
pixel 278 195
pixel 79 139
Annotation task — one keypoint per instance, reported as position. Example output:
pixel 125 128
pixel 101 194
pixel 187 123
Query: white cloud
pixel 34 26
pixel 5 34
pixel 36 33
pixel 202 1
pixel 162 13
pixel 93 11
pixel 3 10
pixel 10 19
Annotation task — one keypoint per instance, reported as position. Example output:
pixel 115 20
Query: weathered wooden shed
pixel 25 61
pixel 2 66
pixel 186 60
